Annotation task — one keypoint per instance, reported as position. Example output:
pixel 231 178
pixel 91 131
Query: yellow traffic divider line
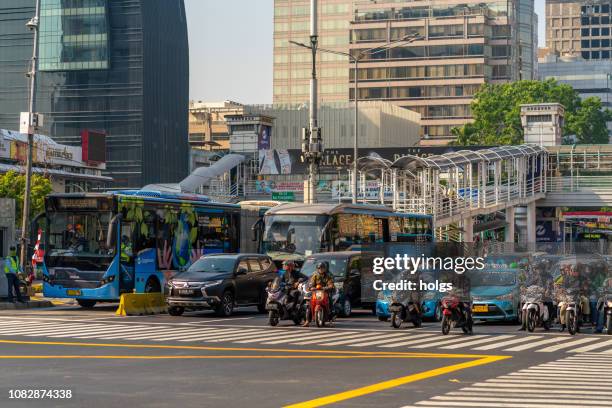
pixel 475 360
pixel 396 382
pixel 138 304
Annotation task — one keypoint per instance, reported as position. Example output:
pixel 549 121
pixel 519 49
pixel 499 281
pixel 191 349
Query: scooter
pixel 573 313
pixel 400 313
pixel 534 310
pixel 278 305
pixel 452 316
pixel 320 307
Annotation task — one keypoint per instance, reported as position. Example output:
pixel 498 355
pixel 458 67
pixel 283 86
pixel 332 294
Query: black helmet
pixel 322 264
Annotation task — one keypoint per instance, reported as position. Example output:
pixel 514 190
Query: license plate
pixel 73 292
pixel 480 308
pixel 186 292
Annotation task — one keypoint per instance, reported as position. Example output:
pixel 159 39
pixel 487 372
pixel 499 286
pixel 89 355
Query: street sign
pixel 284 196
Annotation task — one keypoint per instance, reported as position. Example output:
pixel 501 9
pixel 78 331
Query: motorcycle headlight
pixel 609 303
pixel 319 295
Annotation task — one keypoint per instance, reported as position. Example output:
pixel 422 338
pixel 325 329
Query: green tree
pixel 588 124
pixel 497 113
pixel 12 185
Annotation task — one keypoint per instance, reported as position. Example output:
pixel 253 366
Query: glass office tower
pixel 120 66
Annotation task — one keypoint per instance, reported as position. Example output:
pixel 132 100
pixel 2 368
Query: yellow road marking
pixel 276 350
pixel 127 357
pixel 385 385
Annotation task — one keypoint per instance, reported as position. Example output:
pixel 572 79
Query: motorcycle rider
pixel 539 274
pixel 321 277
pixel 571 280
pixel 291 278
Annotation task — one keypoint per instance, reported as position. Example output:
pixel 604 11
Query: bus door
pixel 383 224
pixel 126 255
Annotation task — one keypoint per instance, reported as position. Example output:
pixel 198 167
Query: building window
pixel 585 44
pixel 594 43
pixel 594 20
pixel 605 8
pixel 73 36
pixel 605 55
pixel 595 55
pixel 605 42
pixel 595 32
pixel 586 55
pixel 605 31
pixel 605 19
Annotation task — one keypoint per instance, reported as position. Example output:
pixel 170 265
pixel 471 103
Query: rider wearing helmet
pixel 323 278
pixel 291 279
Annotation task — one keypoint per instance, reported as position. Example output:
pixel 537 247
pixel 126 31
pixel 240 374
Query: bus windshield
pixel 299 234
pixel 79 234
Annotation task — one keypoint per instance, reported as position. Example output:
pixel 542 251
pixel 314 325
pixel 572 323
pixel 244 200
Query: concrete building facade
pixel 461 46
pixel 208 128
pixel 579 27
pixel 380 125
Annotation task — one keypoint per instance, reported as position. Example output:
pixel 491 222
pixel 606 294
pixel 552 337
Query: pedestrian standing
pixel 12 270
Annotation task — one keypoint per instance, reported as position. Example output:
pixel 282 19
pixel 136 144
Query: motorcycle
pixel 320 306
pixel 280 308
pixel 452 316
pixel 573 312
pixel 534 309
pixel 410 312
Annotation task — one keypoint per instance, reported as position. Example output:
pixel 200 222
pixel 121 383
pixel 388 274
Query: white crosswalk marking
pixel 567 344
pixel 597 349
pixel 454 339
pixel 507 343
pixel 534 344
pixel 519 391
pixel 469 343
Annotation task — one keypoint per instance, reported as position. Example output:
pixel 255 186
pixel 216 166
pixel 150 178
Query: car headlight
pixel 507 296
pixel 211 283
pixel 609 303
pixel 106 280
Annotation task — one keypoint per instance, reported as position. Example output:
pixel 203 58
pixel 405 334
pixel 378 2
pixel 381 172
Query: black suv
pixel 221 282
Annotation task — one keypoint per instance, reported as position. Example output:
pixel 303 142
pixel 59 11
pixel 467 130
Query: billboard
pixel 94 146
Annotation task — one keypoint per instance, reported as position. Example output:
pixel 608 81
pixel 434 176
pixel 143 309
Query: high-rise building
pixel 292 64
pixel 117 66
pixel 579 27
pixel 461 46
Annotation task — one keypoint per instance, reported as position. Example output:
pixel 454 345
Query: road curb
pixel 33 304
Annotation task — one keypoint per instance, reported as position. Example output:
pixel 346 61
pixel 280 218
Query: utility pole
pixel 312 146
pixel 32 123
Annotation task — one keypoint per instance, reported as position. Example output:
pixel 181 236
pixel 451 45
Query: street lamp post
pixel 34 25
pixel 355 59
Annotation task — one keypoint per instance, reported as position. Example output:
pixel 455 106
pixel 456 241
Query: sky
pixel 231 49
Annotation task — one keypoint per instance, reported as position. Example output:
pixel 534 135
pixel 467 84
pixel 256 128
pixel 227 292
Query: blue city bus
pixel 100 245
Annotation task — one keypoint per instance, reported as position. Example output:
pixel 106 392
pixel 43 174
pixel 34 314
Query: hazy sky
pixel 231 49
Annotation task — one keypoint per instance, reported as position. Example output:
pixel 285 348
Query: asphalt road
pixel 199 360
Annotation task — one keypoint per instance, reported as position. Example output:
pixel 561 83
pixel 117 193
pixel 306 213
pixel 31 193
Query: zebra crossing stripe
pixel 40 329
pixel 393 340
pixel 380 340
pixel 508 343
pixel 567 345
pixel 113 333
pixel 252 335
pixel 156 335
pixel 533 345
pixel 322 337
pixel 317 341
pixel 90 329
pixel 423 339
pixel 474 342
pixel 196 333
pixel 460 338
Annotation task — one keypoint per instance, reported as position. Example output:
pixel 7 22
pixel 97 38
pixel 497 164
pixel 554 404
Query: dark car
pixel 347 268
pixel 221 282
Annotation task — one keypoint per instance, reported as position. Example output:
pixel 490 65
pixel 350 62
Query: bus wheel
pixel 86 304
pixel 152 286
